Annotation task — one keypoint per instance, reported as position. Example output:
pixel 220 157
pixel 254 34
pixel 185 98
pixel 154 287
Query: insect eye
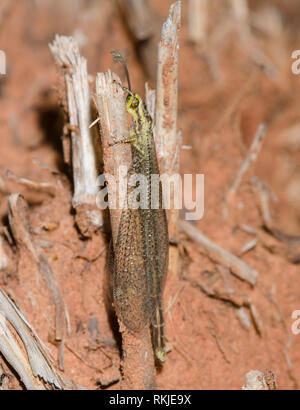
pixel 135 103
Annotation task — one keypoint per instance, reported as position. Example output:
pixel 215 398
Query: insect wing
pixel 130 286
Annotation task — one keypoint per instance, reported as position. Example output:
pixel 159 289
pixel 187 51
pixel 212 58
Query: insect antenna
pixel 119 57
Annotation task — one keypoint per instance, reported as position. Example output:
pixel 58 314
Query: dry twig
pixel 249 160
pixel 111 102
pixel 240 268
pixel 66 52
pixel 40 363
pixel 168 141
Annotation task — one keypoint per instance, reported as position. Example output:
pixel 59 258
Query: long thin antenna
pixel 119 57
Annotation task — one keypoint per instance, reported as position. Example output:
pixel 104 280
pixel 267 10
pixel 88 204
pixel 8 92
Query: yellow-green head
pixel 133 105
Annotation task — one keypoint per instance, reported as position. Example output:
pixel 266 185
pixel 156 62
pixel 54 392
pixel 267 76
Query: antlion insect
pixel 140 257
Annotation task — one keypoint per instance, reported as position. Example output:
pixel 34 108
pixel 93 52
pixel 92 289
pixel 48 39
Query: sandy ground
pixel 223 97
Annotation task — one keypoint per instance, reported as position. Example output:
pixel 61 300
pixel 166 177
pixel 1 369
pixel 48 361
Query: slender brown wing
pixel 156 245
pixel 130 285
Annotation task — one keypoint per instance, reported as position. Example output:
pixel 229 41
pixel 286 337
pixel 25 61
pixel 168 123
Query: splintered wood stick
pixel 168 141
pixel 138 360
pixel 250 159
pixel 41 365
pixel 111 102
pixel 74 67
pixel 36 369
pixel 198 20
pixel 167 91
pixel 15 357
pixel 240 268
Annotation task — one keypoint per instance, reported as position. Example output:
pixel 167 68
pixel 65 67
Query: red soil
pixel 210 346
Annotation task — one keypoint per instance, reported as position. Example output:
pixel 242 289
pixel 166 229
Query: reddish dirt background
pixel 223 97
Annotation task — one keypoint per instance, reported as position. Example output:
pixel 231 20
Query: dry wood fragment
pixel 249 160
pixel 167 92
pixel 255 380
pixel 215 335
pixel 74 67
pixel 111 102
pixel 168 142
pixel 248 246
pixel 40 362
pixel 138 361
pixel 259 325
pixel 244 318
pixel 240 268
pixel 38 365
pixel 15 357
pixel 20 226
pixel 38 186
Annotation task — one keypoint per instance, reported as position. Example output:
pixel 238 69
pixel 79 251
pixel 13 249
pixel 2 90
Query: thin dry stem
pixel 249 160
pixel 13 354
pixel 167 91
pixel 37 365
pixel 240 268
pixel 168 139
pixel 40 361
pixel 111 102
